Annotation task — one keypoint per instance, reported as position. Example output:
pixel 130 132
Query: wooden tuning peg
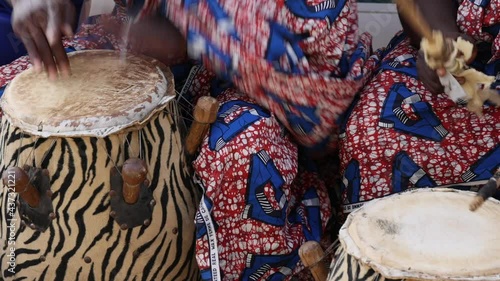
pixel 134 173
pixel 205 113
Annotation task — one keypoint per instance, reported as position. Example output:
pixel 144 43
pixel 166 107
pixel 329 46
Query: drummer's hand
pixel 154 37
pixel 160 39
pixel 430 78
pixel 41 24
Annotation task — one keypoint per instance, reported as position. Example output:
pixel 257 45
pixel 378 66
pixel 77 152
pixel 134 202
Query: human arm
pixel 158 38
pixel 437 15
pixel 155 37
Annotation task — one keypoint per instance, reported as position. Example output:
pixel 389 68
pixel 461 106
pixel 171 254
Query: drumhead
pixel 426 234
pixel 104 95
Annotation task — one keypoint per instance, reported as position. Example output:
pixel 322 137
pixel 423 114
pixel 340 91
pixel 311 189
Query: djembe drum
pixel 95 163
pixel 424 234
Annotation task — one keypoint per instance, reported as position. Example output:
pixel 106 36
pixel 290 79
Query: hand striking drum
pixel 104 189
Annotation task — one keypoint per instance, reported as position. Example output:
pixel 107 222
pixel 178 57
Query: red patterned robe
pixel 293 67
pixel 400 136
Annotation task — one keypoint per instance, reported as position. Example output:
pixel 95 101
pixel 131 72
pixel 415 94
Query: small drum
pixel 96 186
pixel 423 234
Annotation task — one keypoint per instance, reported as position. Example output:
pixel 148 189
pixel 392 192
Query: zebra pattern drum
pixel 423 234
pixel 96 186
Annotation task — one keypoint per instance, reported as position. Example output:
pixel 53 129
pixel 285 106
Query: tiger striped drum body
pixel 83 241
pixel 424 234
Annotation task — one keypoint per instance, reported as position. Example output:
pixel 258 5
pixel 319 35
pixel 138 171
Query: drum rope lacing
pixel 30 154
pixel 110 158
pixel 18 150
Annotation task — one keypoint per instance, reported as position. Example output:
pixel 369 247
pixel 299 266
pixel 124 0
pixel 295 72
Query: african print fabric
pixel 400 136
pixel 313 58
pixel 295 63
pixel 261 199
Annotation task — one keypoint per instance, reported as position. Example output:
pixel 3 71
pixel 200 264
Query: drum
pixel 423 234
pixel 96 186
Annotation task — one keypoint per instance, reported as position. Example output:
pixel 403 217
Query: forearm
pixel 439 14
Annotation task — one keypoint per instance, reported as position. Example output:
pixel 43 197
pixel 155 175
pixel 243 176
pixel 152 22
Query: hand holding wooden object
pixel 451 55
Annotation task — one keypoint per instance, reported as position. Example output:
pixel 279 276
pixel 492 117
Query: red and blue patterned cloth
pixel 285 73
pixel 400 136
pixel 296 64
pixel 293 63
pixel 309 50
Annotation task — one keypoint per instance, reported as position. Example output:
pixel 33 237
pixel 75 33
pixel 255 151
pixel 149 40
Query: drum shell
pixel 83 241
pixel 345 267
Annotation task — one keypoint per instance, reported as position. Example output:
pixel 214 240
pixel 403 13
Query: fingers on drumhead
pixel 44 51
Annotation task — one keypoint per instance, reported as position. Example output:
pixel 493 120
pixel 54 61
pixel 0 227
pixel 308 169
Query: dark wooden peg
pixel 134 173
pixel 17 177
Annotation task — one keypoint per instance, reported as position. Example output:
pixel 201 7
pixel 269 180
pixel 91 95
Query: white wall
pixel 380 20
pixel 101 7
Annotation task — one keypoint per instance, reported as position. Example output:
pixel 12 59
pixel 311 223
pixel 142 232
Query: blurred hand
pixel 41 24
pixel 160 39
pixel 155 37
pixel 429 77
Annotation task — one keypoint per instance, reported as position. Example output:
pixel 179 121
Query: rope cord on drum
pixel 31 155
